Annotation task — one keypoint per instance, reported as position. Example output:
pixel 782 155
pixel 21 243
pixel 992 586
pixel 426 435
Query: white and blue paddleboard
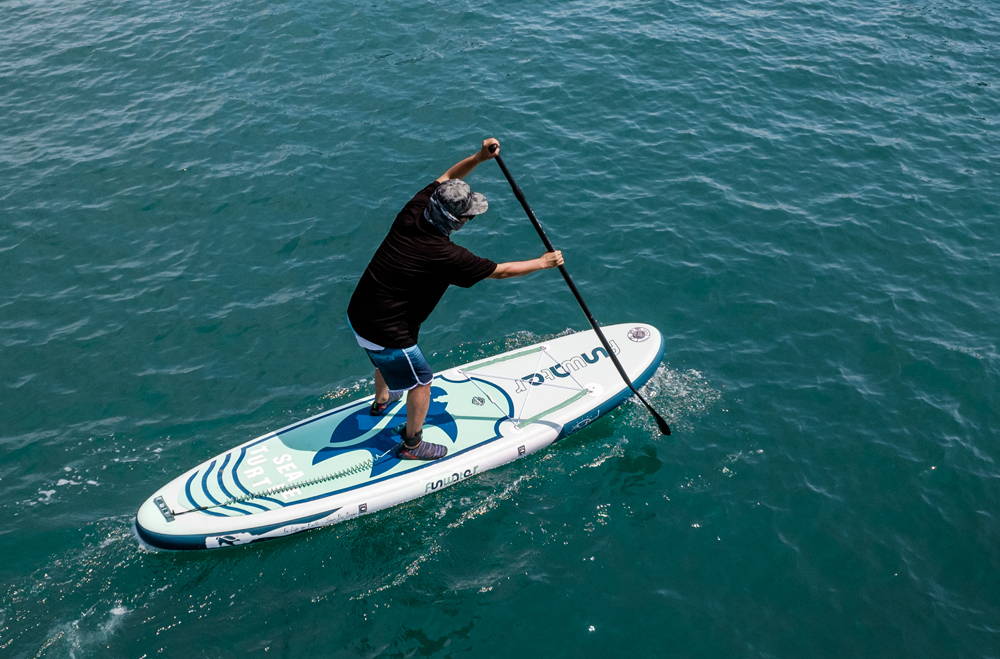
pixel 340 464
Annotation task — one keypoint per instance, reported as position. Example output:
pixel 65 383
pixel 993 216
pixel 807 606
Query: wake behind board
pixel 339 464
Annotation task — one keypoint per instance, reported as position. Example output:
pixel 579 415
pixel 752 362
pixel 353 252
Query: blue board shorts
pixel 401 368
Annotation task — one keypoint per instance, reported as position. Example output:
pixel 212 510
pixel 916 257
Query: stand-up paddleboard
pixel 340 464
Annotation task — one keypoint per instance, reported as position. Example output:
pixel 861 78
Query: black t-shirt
pixel 406 278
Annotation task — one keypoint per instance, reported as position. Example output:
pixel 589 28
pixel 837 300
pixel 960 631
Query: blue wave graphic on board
pixel 357 424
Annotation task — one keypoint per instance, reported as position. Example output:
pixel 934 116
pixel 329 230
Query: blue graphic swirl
pixel 380 444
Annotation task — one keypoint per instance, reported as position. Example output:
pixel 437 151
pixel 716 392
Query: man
pixel 404 281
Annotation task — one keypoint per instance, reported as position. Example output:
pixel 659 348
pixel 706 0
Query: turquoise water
pixel 802 196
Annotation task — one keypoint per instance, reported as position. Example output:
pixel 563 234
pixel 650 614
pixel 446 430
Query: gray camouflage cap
pixel 456 197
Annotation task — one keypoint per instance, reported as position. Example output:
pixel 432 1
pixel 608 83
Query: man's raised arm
pixel 463 167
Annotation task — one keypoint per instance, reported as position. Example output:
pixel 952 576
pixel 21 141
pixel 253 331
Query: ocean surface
pixel 803 196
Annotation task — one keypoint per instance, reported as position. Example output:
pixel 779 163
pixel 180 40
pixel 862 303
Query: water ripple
pixel 803 197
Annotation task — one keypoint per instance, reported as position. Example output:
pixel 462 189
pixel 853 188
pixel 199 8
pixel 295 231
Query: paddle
pixel 664 428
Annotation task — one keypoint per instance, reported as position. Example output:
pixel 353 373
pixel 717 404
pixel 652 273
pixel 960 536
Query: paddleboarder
pixel 405 280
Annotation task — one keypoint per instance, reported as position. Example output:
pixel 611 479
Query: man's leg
pixel 418 400
pixel 399 369
pixel 381 388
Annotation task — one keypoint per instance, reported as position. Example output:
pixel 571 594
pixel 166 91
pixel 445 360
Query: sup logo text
pixel 564 368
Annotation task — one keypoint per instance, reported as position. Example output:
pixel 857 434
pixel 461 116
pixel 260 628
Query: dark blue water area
pixel 802 196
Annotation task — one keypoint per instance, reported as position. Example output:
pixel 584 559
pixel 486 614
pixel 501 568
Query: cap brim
pixel 478 205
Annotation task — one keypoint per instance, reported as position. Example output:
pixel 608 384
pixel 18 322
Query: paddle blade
pixel 664 427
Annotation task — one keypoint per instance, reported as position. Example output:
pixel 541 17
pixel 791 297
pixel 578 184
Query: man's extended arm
pixel 463 167
pixel 518 268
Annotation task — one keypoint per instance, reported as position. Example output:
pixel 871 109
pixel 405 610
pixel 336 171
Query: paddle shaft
pixel 660 422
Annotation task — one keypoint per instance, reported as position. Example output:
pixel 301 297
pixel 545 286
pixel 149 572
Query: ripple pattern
pixel 803 196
